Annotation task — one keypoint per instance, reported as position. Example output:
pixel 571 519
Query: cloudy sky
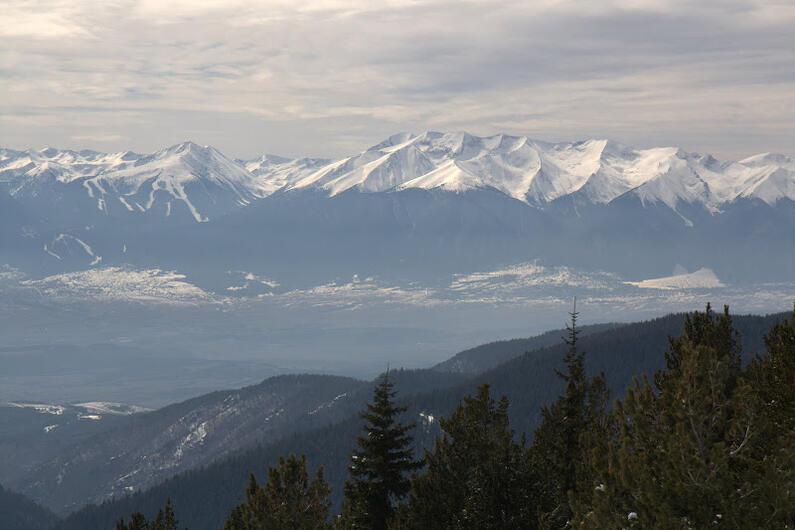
pixel 330 77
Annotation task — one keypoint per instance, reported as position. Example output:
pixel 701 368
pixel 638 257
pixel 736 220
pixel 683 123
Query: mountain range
pixel 412 207
pixel 209 184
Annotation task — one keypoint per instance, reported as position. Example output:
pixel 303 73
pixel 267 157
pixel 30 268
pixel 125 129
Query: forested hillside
pixel 19 512
pixel 203 498
pixel 144 449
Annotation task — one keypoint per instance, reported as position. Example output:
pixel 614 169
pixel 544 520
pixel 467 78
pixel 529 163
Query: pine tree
pixel 137 522
pixel 771 378
pixel 773 375
pixel 569 428
pixel 287 501
pixel 476 476
pixel 379 466
pixel 164 520
pixel 687 454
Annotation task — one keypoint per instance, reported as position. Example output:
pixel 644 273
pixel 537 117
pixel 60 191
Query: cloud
pixel 327 77
pixel 41 20
pixel 112 138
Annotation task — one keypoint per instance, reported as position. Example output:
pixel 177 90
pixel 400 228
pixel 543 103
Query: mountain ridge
pixel 446 201
pixel 528 170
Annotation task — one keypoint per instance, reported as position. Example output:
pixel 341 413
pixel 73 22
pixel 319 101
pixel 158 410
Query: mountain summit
pixel 531 171
pixel 466 200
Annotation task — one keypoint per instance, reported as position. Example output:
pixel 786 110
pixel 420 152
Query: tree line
pixel 704 442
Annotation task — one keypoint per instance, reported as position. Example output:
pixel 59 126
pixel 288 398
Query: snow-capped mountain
pixel 406 205
pixel 538 172
pixel 199 180
pixel 528 170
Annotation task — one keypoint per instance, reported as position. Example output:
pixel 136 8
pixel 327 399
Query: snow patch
pixel 116 283
pixel 42 408
pixel 107 407
pixel 51 253
pixel 327 404
pixel 9 273
pixel 703 278
pixel 196 436
pixel 530 274
pixel 126 204
pixel 427 418
pixel 356 294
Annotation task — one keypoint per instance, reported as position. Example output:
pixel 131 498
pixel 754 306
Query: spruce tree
pixel 164 520
pixel 287 501
pixel 686 452
pixel 379 466
pixel 137 522
pixel 476 476
pixel 771 378
pixel 569 428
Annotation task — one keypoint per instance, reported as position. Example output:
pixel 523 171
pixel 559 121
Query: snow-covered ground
pixel 523 283
pixel 105 407
pixel 703 278
pixel 120 284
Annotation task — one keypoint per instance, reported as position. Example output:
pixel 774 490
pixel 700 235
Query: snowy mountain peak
pixel 202 182
pixel 392 141
pixel 767 159
pixel 185 146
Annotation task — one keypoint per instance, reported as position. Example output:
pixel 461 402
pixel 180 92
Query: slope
pixel 20 513
pixel 203 497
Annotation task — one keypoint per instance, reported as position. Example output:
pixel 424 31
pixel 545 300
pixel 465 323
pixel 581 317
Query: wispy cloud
pixel 111 138
pixel 327 77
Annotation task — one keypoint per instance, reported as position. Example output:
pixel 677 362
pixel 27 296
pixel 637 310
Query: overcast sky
pixel 330 77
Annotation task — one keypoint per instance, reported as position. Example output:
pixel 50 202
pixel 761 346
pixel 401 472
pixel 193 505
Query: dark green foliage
pixel 17 511
pixel 137 522
pixel 772 376
pixel 206 495
pixel 704 330
pixel 772 379
pixel 287 501
pixel 379 466
pixel 575 420
pixel 690 454
pixel 164 520
pixel 475 477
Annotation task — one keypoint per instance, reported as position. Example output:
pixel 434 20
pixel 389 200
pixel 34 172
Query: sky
pixel 331 77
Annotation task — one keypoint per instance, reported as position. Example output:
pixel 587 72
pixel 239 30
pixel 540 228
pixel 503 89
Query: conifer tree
pixel 380 465
pixel 287 501
pixel 771 378
pixel 475 477
pixel 688 454
pixel 164 520
pixel 773 375
pixel 569 428
pixel 137 522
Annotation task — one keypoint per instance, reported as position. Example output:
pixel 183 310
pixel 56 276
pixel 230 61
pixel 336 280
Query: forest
pixel 707 440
